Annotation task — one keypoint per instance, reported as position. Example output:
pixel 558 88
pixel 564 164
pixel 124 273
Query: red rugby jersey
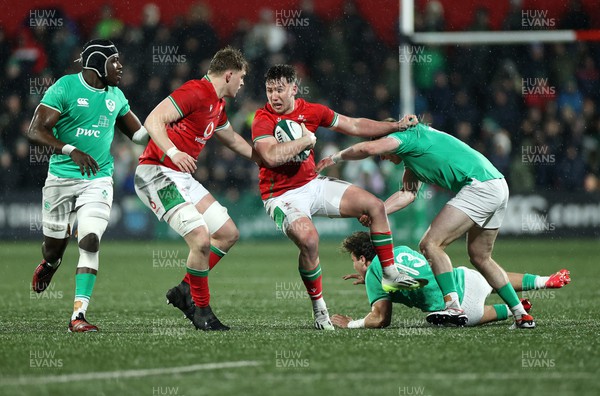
pixel 202 113
pixel 275 181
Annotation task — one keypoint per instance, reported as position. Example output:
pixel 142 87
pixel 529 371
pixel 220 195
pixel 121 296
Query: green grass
pixel 139 331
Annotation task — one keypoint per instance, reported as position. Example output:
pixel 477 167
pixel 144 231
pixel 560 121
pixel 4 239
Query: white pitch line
pixel 102 375
pixel 531 374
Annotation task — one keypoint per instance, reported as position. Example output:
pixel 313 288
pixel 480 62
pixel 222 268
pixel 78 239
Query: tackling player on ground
pixel 292 192
pixel 76 117
pixel 180 127
pixel 435 157
pixel 472 288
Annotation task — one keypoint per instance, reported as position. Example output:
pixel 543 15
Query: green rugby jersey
pixel 428 298
pixel 87 121
pixel 438 158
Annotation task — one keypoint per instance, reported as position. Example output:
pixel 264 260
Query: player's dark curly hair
pixel 277 72
pixel 228 58
pixel 359 244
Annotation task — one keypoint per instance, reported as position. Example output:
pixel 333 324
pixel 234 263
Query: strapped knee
pixel 92 220
pixel 215 216
pixel 185 218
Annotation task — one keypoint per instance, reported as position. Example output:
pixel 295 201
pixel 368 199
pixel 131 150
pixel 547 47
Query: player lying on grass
pixel 472 286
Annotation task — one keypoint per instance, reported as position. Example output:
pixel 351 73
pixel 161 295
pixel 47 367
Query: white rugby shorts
pixel 163 189
pixel 476 291
pixel 62 197
pixel 484 202
pixel 319 197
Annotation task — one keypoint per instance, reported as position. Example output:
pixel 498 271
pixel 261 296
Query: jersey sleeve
pixel 185 99
pixel 124 104
pixel 55 96
pixel 262 126
pixel 404 139
pixel 223 121
pixel 328 118
pixel 375 291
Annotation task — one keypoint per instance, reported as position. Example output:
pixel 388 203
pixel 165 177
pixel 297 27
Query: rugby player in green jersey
pixel 76 118
pixel 472 288
pixel 434 157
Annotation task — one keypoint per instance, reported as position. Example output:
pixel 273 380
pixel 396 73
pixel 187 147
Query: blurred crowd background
pixel 532 109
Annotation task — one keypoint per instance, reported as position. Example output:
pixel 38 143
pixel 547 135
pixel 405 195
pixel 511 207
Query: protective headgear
pixel 95 56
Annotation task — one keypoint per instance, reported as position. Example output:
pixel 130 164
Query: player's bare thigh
pixel 205 202
pixel 449 225
pixel 355 202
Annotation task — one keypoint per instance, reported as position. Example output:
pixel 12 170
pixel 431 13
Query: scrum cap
pixel 95 55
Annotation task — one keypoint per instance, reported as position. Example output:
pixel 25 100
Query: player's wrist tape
pixel 141 136
pixel 172 151
pixel 337 157
pixel 356 324
pixel 67 149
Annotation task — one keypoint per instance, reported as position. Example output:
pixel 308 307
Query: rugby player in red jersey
pixel 179 127
pixel 292 192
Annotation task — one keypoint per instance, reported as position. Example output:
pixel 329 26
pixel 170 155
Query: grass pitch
pixel 146 348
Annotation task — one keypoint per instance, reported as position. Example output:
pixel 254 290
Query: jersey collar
pixel 88 86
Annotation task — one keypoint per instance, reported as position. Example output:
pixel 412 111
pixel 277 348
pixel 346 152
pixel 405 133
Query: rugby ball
pixel 288 130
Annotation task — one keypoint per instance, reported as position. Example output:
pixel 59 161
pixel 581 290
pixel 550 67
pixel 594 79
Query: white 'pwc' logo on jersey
pixel 110 105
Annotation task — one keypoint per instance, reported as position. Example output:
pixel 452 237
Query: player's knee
pixel 198 241
pixel 93 220
pixel 428 245
pixel 375 207
pixel 228 235
pixel 425 246
pixel 309 243
pixel 90 243
pixel 477 259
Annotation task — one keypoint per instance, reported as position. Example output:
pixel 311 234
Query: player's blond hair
pixel 228 58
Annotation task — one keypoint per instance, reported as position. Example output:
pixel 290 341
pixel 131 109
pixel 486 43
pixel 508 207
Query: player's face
pixel 114 70
pixel 396 159
pixel 281 95
pixel 360 264
pixel 236 81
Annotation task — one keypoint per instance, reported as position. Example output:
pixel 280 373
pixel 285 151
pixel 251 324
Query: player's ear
pixel 294 89
pixel 363 260
pixel 228 75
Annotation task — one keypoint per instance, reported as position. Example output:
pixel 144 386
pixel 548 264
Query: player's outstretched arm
pixel 236 143
pixel 401 199
pixel 40 133
pixel 359 151
pixel 273 153
pixel 163 114
pixel 364 127
pixel 379 317
pixel 131 127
